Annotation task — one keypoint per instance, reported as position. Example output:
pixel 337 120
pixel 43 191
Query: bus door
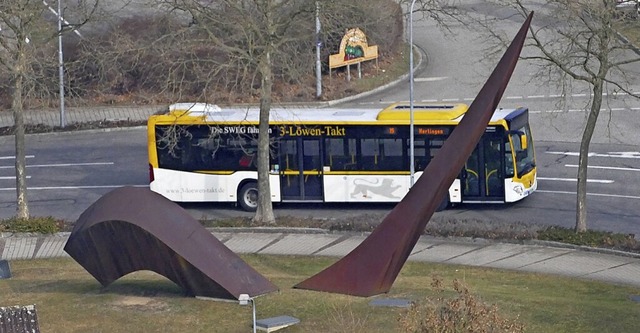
pixel 300 169
pixel 482 178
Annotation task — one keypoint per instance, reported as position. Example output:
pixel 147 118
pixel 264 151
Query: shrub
pixel 42 225
pixel 592 238
pixel 462 313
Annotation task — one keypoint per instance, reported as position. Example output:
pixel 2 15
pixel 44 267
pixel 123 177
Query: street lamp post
pixel 60 55
pixel 318 46
pixel 244 299
pixel 412 170
pixel 60 65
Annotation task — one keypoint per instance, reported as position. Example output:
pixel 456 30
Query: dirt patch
pixel 139 303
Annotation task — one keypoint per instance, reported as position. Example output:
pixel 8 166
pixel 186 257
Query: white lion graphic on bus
pixel 364 188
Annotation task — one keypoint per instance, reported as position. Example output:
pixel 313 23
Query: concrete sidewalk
pixel 51 117
pixel 582 263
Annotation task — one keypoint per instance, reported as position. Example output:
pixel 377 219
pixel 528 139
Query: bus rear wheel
pixel 248 197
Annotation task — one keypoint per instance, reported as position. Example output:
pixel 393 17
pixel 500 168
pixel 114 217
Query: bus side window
pixel 245 161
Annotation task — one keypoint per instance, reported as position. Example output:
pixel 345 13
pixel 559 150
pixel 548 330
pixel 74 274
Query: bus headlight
pixel 518 189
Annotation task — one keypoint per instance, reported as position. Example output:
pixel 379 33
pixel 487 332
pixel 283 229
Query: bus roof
pixel 399 113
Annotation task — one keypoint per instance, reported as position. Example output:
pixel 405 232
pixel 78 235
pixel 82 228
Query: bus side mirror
pixel 523 141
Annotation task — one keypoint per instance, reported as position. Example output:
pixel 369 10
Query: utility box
pixel 5 269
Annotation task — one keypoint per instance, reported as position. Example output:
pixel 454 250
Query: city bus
pixel 204 153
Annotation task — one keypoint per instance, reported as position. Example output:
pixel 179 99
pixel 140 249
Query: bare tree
pixel 25 34
pixel 578 40
pixel 256 44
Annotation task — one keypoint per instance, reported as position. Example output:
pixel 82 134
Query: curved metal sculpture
pixel 372 267
pixel 131 229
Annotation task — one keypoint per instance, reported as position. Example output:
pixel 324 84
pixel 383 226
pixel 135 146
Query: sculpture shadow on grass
pixel 131 229
pixel 372 267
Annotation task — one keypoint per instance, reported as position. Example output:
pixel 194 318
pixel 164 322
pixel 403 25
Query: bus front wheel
pixel 444 204
pixel 248 197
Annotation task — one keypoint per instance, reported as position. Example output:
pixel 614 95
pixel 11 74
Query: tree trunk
pixel 264 214
pixel 581 202
pixel 18 118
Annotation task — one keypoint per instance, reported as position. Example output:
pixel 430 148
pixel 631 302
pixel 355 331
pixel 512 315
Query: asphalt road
pixel 69 171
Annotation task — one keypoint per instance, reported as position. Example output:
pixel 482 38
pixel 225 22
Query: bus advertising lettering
pixel 312 131
pixel 236 130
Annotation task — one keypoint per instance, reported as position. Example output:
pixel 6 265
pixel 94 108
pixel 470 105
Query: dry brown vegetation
pixel 166 58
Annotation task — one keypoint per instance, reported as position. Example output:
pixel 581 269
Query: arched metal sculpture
pixel 131 229
pixel 372 267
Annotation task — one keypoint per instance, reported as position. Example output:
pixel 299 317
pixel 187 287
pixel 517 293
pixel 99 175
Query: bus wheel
pixel 443 205
pixel 248 197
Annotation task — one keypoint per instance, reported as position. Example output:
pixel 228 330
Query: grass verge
pixel 68 299
pixel 438 227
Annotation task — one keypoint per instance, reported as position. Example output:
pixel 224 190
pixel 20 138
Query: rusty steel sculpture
pixel 372 267
pixel 131 229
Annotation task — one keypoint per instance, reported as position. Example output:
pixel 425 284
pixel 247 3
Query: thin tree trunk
pixel 264 213
pixel 18 117
pixel 581 201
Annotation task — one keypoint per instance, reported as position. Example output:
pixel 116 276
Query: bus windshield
pixel 523 148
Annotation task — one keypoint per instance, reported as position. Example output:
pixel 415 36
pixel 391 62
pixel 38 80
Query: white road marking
pixel 601 181
pixel 13 157
pixel 593 194
pixel 629 154
pixel 60 165
pixel 430 79
pixel 550 96
pixel 603 167
pixel 12 177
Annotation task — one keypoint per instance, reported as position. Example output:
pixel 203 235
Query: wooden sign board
pixel 353 49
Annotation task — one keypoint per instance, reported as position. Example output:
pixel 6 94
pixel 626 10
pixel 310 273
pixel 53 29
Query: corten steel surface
pixel 372 267
pixel 131 229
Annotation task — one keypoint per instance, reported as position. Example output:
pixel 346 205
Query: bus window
pixel 493 166
pixel 369 154
pixel 508 160
pixel 420 157
pixel 311 155
pixel 391 155
pixel 434 146
pixel 523 150
pixel 289 155
pixel 340 154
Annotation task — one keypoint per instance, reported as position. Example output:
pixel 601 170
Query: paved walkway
pixel 52 117
pixel 608 266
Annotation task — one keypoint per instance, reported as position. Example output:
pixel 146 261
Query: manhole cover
pixel 395 302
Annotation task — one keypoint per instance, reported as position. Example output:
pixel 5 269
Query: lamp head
pixel 244 299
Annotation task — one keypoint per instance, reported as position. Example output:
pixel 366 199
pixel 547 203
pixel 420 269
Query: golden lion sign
pixel 353 49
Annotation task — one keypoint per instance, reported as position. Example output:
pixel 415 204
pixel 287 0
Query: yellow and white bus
pixel 202 153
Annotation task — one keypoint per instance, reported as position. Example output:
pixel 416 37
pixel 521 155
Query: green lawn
pixel 69 300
